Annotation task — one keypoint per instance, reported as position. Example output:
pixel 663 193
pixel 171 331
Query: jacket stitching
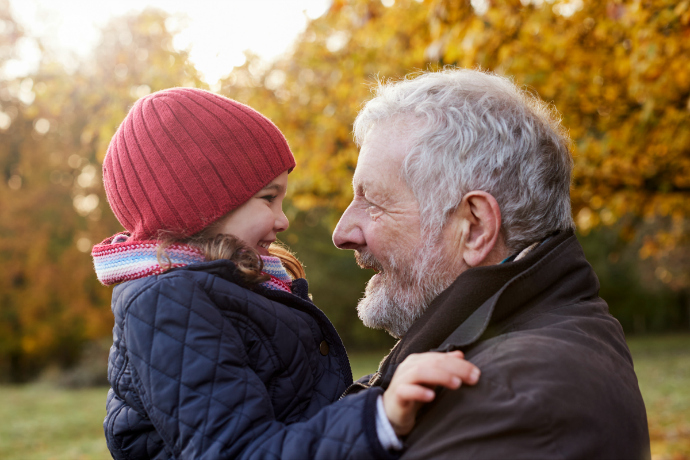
pixel 153 413
pixel 230 296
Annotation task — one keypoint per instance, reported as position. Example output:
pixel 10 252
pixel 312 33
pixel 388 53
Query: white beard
pixel 395 298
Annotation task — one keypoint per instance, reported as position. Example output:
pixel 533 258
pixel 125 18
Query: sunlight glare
pixel 216 34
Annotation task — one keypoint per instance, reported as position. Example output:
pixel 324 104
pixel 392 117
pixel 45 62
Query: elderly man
pixel 462 205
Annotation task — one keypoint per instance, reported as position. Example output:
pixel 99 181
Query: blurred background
pixel 618 72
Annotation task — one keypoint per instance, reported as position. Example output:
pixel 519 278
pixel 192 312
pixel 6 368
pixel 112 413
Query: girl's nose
pixel 282 223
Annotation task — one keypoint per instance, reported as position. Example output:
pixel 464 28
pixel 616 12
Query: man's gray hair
pixel 474 130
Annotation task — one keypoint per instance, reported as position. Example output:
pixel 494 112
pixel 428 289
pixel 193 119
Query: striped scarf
pixel 116 259
pixel 280 280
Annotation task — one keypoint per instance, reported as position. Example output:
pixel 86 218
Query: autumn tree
pixel 617 71
pixel 52 204
pixel 10 180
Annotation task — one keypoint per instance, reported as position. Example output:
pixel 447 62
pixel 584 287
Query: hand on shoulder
pixel 413 382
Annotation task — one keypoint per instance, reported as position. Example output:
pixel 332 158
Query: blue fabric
pixel 203 368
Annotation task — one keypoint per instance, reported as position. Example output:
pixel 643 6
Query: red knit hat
pixel 184 157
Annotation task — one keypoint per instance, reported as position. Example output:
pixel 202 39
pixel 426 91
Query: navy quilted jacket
pixel 202 368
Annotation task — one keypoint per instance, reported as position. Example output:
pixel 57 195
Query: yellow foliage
pixel 50 299
pixel 619 72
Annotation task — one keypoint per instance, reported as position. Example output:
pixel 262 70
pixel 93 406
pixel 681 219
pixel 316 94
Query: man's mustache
pixel 367 260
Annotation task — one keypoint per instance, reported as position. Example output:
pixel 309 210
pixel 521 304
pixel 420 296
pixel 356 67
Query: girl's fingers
pixel 410 392
pixel 433 377
pixel 447 370
pixel 413 379
pixel 457 353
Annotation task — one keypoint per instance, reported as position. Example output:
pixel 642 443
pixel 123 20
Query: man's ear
pixel 478 221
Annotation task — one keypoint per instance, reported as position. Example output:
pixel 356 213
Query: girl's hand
pixel 412 384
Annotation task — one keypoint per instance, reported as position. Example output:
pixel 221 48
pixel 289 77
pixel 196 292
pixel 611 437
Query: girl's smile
pixel 257 221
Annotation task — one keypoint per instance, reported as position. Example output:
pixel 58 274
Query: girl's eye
pixel 269 198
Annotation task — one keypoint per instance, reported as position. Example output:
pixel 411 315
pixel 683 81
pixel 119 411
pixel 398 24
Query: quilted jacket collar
pixel 227 270
pixel 484 299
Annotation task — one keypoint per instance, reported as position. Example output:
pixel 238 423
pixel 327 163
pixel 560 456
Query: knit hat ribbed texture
pixel 184 157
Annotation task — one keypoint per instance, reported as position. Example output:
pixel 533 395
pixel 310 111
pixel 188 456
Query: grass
pixel 662 366
pixel 41 422
pixel 38 421
pixel 365 363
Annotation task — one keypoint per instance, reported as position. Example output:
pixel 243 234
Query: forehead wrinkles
pixel 379 168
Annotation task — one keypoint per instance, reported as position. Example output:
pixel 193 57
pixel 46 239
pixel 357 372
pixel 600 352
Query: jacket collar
pixel 227 270
pixel 486 297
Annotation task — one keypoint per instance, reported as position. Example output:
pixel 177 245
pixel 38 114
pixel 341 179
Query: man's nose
pixel 348 233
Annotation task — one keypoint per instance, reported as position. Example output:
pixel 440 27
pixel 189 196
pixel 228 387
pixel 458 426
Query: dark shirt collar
pixel 463 312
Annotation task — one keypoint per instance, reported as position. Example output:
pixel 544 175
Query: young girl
pixel 218 351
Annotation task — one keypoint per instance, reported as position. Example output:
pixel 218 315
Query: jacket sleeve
pixel 191 371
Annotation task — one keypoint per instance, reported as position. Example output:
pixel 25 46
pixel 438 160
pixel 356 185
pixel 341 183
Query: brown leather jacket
pixel 557 376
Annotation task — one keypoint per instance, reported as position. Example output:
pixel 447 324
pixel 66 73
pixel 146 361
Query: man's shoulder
pixel 569 352
pixel 557 368
pixel 544 392
pixel 562 345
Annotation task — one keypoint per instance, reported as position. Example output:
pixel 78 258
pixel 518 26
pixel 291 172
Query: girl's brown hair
pixel 222 246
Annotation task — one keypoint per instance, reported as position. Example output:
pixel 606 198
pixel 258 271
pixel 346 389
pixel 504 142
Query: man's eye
pixel 373 211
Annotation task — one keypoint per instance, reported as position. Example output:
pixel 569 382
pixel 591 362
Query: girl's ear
pixel 476 225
